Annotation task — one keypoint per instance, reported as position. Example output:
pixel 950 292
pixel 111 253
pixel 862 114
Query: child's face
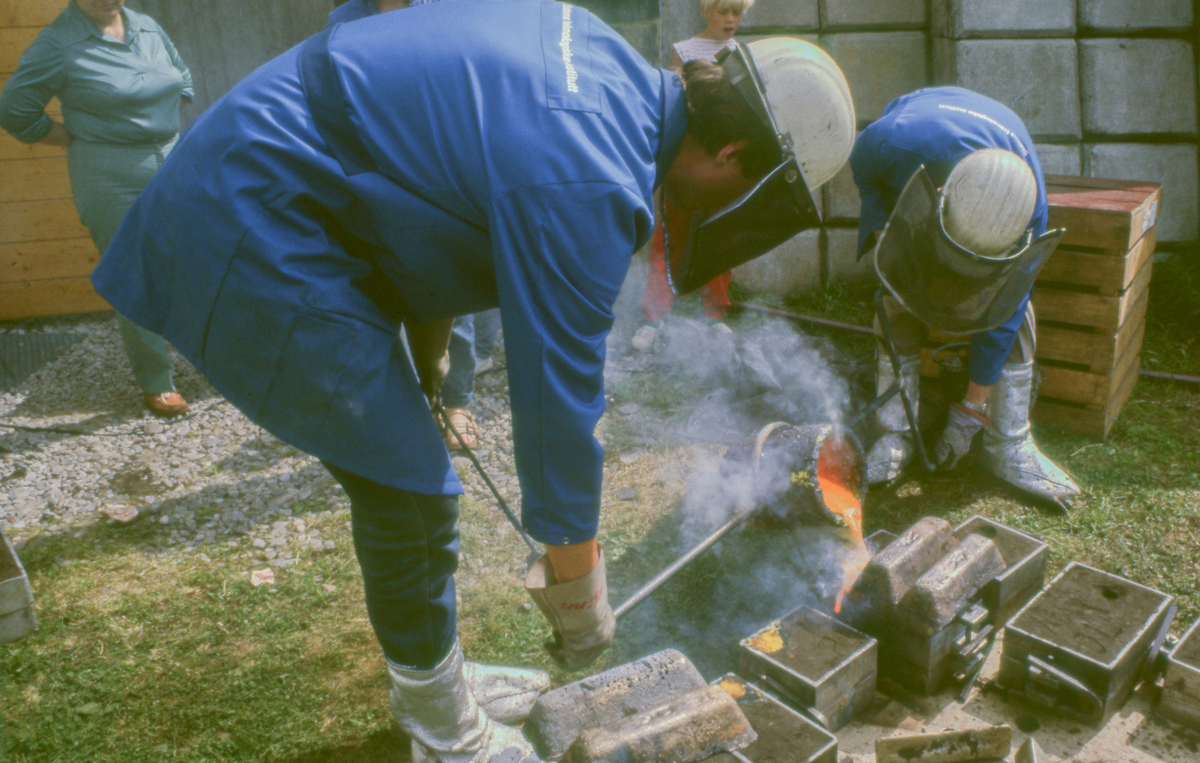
pixel 721 24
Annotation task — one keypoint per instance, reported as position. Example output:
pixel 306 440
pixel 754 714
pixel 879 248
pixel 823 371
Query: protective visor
pixel 946 286
pixel 778 207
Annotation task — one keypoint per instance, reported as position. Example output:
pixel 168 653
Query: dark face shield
pixel 770 213
pixel 949 288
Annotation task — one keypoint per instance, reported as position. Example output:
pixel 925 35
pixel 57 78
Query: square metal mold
pixel 16 597
pixel 784 735
pixel 815 660
pixel 1025 560
pixel 1082 644
pixel 1181 684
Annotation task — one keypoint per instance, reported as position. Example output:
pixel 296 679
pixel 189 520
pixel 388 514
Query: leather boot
pixel 1009 450
pixel 437 709
pixel 896 446
pixel 583 621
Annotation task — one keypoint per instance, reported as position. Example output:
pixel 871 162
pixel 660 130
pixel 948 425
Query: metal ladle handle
pixel 744 511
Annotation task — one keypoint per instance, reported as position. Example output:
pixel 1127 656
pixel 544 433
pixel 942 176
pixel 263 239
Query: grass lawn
pixel 148 657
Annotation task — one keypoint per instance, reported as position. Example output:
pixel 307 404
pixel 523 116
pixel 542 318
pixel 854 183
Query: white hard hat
pixel 989 199
pixel 810 100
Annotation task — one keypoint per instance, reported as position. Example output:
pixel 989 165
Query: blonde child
pixel 723 17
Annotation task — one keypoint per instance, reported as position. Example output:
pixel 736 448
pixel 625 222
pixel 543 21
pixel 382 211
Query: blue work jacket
pixel 935 128
pixel 426 164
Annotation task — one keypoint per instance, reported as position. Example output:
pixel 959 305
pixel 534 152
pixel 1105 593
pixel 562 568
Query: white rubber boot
pixel 437 709
pixel 896 446
pixel 1009 450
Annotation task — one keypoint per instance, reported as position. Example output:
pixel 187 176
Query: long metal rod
pixel 656 582
pixel 512 518
pixel 910 410
pixel 808 318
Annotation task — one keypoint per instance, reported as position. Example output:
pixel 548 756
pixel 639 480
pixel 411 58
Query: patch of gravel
pixel 75 439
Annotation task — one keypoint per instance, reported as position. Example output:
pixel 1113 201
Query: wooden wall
pixel 45 252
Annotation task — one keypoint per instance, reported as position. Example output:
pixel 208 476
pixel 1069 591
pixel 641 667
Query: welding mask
pixel 801 97
pixel 947 287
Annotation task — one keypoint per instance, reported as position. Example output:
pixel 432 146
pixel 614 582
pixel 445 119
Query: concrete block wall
pixel 1107 88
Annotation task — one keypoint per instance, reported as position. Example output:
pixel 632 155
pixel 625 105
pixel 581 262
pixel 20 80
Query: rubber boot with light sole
pixel 438 710
pixel 1009 450
pixel 896 446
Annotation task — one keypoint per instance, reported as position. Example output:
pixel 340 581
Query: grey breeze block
pixel 1137 86
pixel 794 266
pixel 1123 15
pixel 1037 79
pixel 960 19
pixel 879 67
pixel 876 14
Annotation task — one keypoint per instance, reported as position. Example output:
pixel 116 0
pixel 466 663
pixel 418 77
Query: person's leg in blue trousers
pixel 459 388
pixel 487 333
pixel 407 545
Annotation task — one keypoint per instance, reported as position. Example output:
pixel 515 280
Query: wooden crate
pixel 1090 299
pixel 45 252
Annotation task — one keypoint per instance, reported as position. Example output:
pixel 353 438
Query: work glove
pixel 961 428
pixel 578 611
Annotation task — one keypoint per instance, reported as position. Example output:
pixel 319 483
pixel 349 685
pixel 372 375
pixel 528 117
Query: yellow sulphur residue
pixel 733 689
pixel 802 478
pixel 769 641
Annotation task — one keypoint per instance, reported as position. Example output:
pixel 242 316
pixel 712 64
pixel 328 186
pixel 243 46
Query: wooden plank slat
pixel 1078 268
pixel 1109 215
pixel 63 296
pixel 11 148
pixel 1095 425
pixel 47 260
pixel 34 13
pixel 1099 351
pixel 1083 309
pixel 13 42
pixel 35 179
pixel 1093 390
pixel 39 221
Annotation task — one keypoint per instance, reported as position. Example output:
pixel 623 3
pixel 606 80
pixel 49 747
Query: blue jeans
pixel 473 337
pixel 407 546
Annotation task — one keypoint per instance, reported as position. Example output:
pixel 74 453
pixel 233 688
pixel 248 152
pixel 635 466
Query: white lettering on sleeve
pixel 986 118
pixel 565 44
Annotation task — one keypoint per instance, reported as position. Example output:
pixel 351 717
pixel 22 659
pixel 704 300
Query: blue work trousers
pixel 407 546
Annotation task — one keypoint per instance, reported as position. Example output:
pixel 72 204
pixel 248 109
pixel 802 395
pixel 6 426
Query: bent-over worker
pixel 433 163
pixel 960 253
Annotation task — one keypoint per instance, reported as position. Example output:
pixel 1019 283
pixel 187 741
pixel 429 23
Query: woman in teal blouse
pixel 120 82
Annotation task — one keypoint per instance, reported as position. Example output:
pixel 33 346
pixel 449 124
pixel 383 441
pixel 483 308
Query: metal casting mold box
pixel 17 619
pixel 1081 646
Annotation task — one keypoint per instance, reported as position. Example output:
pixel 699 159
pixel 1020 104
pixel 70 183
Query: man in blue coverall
pixel 981 159
pixel 414 167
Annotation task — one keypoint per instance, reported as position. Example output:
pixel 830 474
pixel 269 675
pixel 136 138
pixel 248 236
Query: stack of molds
pixel 16 597
pixel 1084 643
pixel 919 597
pixel 823 666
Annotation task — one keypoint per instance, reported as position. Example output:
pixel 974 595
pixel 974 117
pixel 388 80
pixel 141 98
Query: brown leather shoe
pixel 166 404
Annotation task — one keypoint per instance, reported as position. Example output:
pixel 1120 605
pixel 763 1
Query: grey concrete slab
pixel 839 257
pixel 1137 86
pixel 796 15
pixel 794 266
pixel 1126 15
pixel 876 14
pixel 1172 164
pixel 879 66
pixel 840 199
pixel 961 19
pixel 1038 79
pixel 1060 159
